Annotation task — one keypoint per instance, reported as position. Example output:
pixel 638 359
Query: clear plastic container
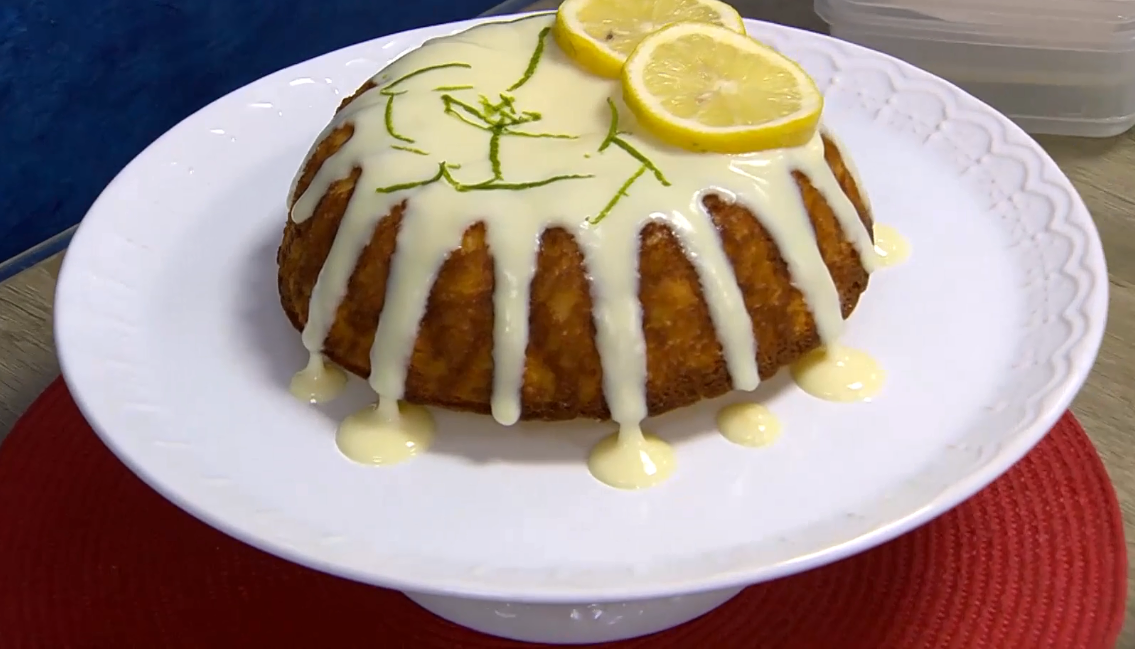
pixel 1063 67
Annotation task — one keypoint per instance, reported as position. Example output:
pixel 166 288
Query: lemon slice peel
pixel 598 35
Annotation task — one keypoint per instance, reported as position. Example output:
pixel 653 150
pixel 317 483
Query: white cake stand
pixel 172 341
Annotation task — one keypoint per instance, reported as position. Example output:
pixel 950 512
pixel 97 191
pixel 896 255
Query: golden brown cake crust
pixel 452 364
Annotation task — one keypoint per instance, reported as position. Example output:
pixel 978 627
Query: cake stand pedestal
pixel 573 623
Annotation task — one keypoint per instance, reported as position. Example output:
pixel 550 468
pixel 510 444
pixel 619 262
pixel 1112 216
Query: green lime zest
pixel 408 149
pixel 495 183
pixel 534 61
pixel 555 136
pixel 613 137
pixel 523 185
pixel 501 115
pixel 428 68
pixel 504 113
pixel 613 128
pixel 615 199
pixel 390 189
pixel 389 118
pixel 506 106
pixel 499 118
pixel 634 153
pixel 388 92
pixel 495 152
pixel 451 102
pixel 468 121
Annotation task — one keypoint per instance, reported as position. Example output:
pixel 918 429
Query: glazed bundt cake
pixel 484 227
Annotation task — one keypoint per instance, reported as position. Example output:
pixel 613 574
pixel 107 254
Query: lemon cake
pixel 491 225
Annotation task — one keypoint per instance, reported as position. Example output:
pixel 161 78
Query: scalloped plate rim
pixel 78 375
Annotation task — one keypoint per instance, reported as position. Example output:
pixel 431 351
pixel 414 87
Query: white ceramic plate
pixel 173 342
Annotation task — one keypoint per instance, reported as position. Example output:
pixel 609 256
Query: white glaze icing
pixel 319 381
pixel 838 373
pixel 891 248
pixel 748 424
pixel 386 433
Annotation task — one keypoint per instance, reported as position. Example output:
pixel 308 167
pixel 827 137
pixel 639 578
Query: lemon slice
pixel 707 88
pixel 600 34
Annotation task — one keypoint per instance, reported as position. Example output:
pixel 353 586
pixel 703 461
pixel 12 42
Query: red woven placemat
pixel 91 557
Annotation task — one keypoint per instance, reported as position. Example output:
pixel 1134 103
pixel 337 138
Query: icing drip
pixel 631 459
pixel 318 381
pixel 748 424
pixel 838 373
pixel 383 435
pixel 510 327
pixel 891 248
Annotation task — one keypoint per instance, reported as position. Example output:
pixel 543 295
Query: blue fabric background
pixel 86 84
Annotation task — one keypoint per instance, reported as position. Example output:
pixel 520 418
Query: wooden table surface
pixel 1102 170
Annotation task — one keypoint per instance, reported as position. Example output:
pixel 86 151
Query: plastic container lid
pixel 1065 67
pixel 1107 25
pixel 1102 11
